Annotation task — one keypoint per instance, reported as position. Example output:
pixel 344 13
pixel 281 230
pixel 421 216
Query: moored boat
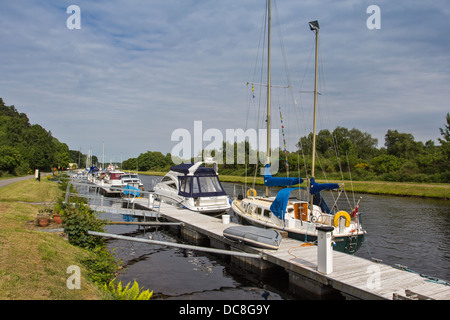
pixel 299 216
pixel 194 187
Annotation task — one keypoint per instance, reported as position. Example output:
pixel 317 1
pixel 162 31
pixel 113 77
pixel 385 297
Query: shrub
pixel 120 293
pixel 78 218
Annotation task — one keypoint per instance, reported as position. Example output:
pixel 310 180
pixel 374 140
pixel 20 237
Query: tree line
pixel 341 153
pixel 25 147
pixel 403 159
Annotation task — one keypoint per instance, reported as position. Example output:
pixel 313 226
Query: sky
pixel 136 71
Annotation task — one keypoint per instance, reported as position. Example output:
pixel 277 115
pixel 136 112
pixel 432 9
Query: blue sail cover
pixel 93 169
pixel 317 187
pixel 315 190
pixel 279 205
pixel 270 181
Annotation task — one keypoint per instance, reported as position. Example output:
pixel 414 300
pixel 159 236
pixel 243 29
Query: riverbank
pixel 404 189
pixel 33 264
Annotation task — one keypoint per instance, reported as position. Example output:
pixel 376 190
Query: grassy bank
pixel 33 264
pixel 408 189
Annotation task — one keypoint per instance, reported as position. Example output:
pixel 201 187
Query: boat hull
pixel 343 243
pixel 175 200
pixel 347 244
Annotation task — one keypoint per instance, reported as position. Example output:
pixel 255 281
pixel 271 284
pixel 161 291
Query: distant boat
pixel 298 217
pixel 131 179
pixel 194 187
pixel 113 181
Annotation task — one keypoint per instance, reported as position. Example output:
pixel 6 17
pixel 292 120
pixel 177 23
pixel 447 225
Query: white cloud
pixel 137 70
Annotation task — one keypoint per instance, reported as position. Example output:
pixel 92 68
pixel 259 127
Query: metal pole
pixel 176 245
pixel 269 79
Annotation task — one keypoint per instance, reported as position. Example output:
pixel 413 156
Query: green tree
pixel 402 145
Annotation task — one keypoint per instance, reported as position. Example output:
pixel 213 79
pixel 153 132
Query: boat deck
pixel 354 277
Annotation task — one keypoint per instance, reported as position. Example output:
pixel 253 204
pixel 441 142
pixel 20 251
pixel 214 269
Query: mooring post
pixel 324 250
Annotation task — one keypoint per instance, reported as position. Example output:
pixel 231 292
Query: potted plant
pixel 43 217
pixel 57 218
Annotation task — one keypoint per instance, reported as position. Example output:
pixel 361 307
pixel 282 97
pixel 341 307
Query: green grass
pixel 30 190
pixel 33 264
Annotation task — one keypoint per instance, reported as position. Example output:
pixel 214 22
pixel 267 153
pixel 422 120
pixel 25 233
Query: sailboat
pixel 299 218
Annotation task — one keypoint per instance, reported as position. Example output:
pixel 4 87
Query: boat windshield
pixel 206 186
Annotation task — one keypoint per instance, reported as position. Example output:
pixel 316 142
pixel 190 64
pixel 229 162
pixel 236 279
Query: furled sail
pixel 270 181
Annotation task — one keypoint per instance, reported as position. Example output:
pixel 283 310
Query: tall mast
pixel 314 26
pixel 269 80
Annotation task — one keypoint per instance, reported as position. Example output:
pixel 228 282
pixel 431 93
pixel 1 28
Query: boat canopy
pixel 270 181
pixel 200 186
pixel 279 205
pixel 184 168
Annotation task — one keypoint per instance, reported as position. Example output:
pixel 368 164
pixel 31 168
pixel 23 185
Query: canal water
pixel 410 232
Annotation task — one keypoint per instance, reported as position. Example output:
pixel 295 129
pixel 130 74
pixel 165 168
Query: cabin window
pixel 258 210
pixel 172 185
pixel 186 185
pixel 195 188
pixel 209 184
pixel 200 186
pixel 266 213
pixel 166 179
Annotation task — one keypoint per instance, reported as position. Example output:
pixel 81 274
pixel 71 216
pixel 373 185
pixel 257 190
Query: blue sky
pixel 138 70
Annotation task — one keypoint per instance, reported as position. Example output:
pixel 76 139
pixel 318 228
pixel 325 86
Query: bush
pixel 102 266
pixel 78 218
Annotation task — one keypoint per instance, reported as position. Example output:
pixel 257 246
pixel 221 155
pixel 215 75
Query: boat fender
pixel 253 191
pixel 340 214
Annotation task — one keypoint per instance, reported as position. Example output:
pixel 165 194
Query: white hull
pixel 300 228
pixel 209 205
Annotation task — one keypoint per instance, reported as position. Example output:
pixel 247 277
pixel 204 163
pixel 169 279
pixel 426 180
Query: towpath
pixel 5 182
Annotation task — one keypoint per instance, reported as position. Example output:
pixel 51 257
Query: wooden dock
pixel 352 277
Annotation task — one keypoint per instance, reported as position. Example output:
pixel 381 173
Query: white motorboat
pixel 131 179
pixel 112 180
pixel 194 187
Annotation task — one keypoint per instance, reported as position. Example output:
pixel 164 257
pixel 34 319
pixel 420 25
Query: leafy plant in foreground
pixel 126 293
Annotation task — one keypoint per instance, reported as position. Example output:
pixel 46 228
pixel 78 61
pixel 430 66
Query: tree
pixel 445 140
pixel 402 145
